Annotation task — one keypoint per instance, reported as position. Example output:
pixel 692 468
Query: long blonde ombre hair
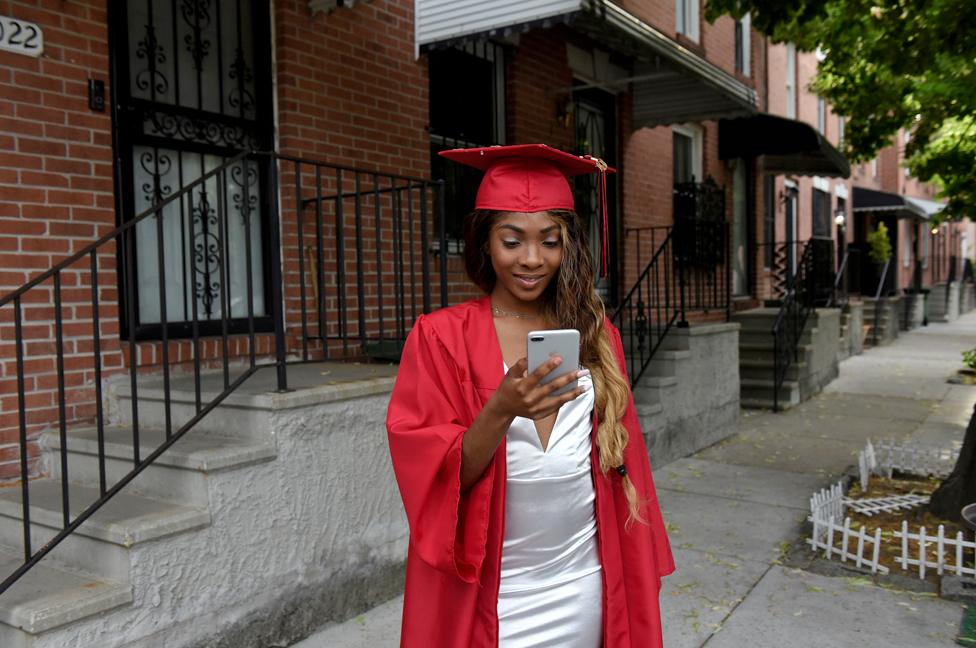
pixel 571 301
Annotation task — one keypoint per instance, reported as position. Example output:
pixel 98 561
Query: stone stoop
pixel 688 396
pixel 851 340
pixel 967 297
pixel 215 538
pixel 757 360
pixel 816 364
pixel 881 324
pixel 944 301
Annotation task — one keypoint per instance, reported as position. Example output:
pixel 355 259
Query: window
pixel 821 116
pixel 686 18
pixel 840 131
pixel 467 108
pixel 791 80
pixel 687 150
pixel 874 168
pixel 821 214
pixel 743 45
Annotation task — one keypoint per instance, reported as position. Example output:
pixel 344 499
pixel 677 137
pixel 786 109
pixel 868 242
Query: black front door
pixel 192 80
pixel 596 132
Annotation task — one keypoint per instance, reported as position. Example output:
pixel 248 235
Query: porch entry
pixel 185 77
pixel 596 134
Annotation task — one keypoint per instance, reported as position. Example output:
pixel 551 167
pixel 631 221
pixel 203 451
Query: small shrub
pixel 969 358
pixel 880 245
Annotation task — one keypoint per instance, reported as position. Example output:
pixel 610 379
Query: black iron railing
pixel 670 285
pixel 651 308
pixel 797 302
pixel 357 244
pixel 702 246
pixel 365 256
pixel 841 293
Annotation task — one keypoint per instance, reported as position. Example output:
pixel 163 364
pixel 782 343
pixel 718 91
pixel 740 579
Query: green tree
pixel 890 64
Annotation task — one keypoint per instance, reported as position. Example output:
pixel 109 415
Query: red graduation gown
pixel 451 365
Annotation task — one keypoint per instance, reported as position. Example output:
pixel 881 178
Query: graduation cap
pixel 533 178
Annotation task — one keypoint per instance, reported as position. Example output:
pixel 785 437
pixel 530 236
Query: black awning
pixel 787 146
pixel 872 200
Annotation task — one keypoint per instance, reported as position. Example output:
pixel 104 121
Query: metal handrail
pixel 649 318
pixel 839 278
pixel 400 206
pixel 791 320
pixel 878 301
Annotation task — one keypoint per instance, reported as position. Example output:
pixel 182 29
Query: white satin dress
pixel 551 593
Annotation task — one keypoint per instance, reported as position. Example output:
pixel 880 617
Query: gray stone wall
pixel 705 405
pixel 822 364
pixel 855 328
pixel 911 311
pixel 944 302
pixel 967 297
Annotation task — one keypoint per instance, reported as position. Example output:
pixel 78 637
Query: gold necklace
pixel 501 312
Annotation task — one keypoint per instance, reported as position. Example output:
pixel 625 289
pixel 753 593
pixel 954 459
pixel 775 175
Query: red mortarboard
pixel 532 178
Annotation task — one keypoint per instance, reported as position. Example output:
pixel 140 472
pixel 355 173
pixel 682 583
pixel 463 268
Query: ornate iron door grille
pixel 188 77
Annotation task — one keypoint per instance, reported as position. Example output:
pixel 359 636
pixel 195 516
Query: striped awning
pixel 671 84
pixel 872 200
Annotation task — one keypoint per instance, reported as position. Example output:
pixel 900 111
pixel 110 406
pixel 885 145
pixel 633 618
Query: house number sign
pixel 21 37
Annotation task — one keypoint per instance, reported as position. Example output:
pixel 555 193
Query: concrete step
pixel 47 597
pixel 759 337
pixel 654 389
pixel 754 388
pixel 760 370
pixel 101 544
pixel 763 352
pixel 238 415
pixel 665 362
pixel 764 403
pixel 651 417
pixel 179 474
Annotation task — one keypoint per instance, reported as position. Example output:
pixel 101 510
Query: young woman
pixel 533 517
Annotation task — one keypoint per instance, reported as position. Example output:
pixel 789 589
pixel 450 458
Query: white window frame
pixel 907 249
pixel 904 152
pixel 745 31
pixel 693 132
pixel 821 116
pixel 687 17
pixel 791 81
pixel 926 235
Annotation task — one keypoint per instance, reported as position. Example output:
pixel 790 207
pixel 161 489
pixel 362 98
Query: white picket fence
pixel 872 505
pixel 914 459
pixel 824 532
pixel 950 553
pixel 832 533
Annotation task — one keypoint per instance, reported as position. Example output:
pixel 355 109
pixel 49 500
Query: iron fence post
pixel 277 294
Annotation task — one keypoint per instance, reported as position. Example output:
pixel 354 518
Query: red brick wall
pixel 56 196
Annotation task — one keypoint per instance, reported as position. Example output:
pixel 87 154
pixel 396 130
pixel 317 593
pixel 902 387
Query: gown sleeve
pixel 425 425
pixel 642 480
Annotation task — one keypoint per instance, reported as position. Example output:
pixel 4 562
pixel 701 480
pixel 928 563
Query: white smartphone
pixel 562 342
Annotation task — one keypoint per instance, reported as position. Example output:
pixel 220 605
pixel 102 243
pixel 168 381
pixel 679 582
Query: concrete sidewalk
pixel 733 509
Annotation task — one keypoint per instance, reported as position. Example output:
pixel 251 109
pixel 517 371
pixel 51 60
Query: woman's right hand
pixel 524 395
